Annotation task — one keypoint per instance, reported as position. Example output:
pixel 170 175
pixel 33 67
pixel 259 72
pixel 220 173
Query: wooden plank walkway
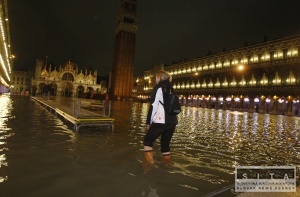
pixel 78 116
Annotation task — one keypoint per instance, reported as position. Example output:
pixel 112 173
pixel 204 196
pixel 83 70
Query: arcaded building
pixel 267 72
pixel 6 58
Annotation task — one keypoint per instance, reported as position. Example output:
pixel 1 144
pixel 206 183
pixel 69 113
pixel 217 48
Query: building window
pixel 254 58
pixel 292 52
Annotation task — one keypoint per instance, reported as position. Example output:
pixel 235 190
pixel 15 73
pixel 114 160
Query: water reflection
pixel 206 147
pixel 5 109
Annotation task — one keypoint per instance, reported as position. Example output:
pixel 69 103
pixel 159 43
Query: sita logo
pixel 271 176
pixel 265 179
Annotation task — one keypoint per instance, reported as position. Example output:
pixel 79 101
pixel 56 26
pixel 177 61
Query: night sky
pixel 168 30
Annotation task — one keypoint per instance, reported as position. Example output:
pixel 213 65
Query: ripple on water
pixel 206 146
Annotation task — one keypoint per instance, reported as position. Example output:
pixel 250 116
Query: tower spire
pixel 46 62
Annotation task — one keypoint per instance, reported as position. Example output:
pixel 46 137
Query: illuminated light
pixel 256 100
pixel 198 84
pixel 241 67
pixel 280 100
pixel 188 70
pixel 226 64
pixel 196 73
pixel 199 68
pixel 234 62
pixel 4 67
pixel 228 99
pixel 291 78
pixel 237 99
pixel 242 83
pixel 219 65
pixel 3 82
pixel 194 69
pixel 268 100
pixel 225 83
pixel 205 67
pixel 246 99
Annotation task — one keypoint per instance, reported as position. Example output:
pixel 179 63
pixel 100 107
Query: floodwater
pixel 41 155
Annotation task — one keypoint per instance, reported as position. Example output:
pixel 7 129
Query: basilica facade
pixel 66 80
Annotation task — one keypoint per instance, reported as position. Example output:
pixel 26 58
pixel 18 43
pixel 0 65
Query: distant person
pixel 46 90
pixel 159 122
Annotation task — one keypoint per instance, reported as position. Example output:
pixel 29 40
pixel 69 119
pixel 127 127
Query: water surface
pixel 41 155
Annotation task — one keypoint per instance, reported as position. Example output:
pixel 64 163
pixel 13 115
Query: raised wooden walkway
pixel 70 109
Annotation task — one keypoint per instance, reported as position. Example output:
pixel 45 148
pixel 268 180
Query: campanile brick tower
pixel 124 50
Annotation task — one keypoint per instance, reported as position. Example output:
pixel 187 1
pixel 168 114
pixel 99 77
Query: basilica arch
pixel 80 91
pixel 67 89
pixel 53 88
pixel 67 76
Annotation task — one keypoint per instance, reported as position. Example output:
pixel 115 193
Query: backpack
pixel 171 102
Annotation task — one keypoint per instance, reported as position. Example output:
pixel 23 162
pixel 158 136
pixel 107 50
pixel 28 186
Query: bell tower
pixel 124 50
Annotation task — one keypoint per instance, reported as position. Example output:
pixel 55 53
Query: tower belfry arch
pixel 124 50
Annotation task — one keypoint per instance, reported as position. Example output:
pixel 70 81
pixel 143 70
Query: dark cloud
pixel 168 30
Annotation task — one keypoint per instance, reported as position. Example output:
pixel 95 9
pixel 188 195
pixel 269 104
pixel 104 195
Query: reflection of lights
pixel 237 99
pixel 228 99
pixel 295 101
pixel 268 100
pixel 246 99
pixel 256 100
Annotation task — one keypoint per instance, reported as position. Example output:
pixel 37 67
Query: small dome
pixel 44 73
pixel 54 74
pixel 80 76
pixel 70 65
